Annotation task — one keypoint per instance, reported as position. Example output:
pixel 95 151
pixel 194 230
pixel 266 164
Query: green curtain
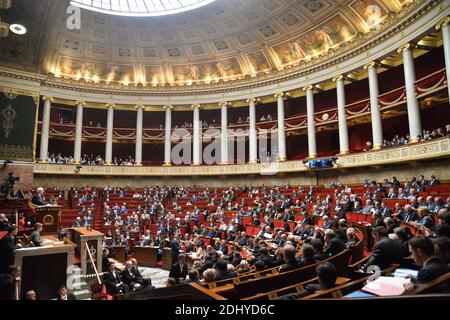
pixel 17 127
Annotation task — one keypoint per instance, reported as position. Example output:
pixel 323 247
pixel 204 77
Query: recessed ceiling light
pixel 18 28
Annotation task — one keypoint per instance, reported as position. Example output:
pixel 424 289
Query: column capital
pixel 195 106
pixel 255 100
pixel 82 103
pixel 443 23
pixel 405 47
pixel 110 105
pixel 281 94
pixel 310 87
pixel 47 98
pixel 338 78
pixel 224 104
pixel 168 107
pixel 371 64
pixel 139 106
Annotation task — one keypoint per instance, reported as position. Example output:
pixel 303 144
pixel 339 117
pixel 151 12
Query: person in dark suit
pixel 179 269
pixel 8 283
pixel 113 282
pixel 317 245
pixel 334 245
pixel 307 256
pixel 266 257
pixel 223 247
pixel 129 278
pixel 290 259
pixel 327 275
pixel 377 221
pixel 386 251
pixel 7 247
pixel 38 198
pixel 222 272
pixel 63 294
pixel 175 248
pixel 145 282
pixel 4 223
pixel 35 236
pixel 422 251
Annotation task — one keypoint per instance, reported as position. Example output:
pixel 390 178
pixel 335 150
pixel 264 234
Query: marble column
pixel 445 26
pixel 415 127
pixel 377 123
pixel 168 136
pixel 342 118
pixel 45 129
pixel 197 130
pixel 109 134
pixel 139 127
pixel 224 132
pixel 281 126
pixel 312 147
pixel 78 133
pixel 253 140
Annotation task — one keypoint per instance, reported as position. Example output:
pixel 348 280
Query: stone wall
pixel 439 168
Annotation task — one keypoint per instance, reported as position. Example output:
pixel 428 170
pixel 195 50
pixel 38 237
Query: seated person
pixel 333 245
pixel 63 294
pixel 38 199
pixel 180 269
pixel 290 259
pixel 442 249
pixel 422 251
pixel 307 256
pixel 35 236
pixel 327 274
pixel 113 281
pixel 209 275
pixel 222 273
pixel 385 251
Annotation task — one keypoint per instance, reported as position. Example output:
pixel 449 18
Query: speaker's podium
pixel 45 268
pixel 89 245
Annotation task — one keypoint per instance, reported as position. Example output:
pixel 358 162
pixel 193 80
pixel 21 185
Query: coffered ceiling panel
pixel 221 41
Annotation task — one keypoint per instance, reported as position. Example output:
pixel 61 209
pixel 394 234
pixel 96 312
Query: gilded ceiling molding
pixel 364 43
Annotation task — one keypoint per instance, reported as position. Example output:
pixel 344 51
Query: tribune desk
pixel 45 268
pixel 146 256
pixel 82 236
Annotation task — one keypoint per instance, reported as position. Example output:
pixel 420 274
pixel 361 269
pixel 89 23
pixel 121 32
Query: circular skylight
pixel 140 8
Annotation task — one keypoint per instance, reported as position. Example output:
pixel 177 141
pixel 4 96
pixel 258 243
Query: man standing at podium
pixel 38 199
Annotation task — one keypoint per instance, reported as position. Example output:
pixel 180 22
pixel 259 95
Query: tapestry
pixel 17 126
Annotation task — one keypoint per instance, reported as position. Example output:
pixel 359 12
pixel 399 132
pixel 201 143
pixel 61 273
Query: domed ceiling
pixel 221 41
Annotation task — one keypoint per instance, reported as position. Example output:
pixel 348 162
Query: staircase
pixel 81 288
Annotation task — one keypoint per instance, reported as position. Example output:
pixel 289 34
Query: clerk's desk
pixel 45 268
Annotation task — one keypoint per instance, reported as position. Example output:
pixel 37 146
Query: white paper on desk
pixel 387 286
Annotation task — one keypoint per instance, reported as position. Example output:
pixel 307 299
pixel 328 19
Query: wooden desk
pixel 45 268
pixel 146 256
pixel 81 236
pixel 167 259
pixel 119 251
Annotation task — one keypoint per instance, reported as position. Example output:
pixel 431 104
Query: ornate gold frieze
pixel 425 150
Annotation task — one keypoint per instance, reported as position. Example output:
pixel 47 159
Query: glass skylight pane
pixel 140 7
